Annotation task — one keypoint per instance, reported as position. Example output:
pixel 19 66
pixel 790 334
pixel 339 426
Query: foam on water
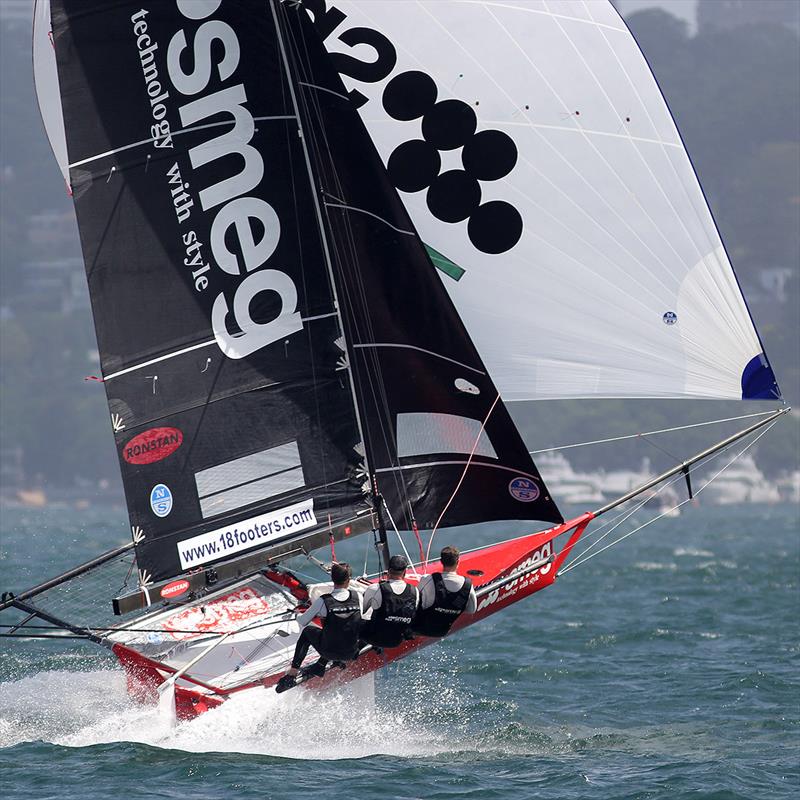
pixel 81 709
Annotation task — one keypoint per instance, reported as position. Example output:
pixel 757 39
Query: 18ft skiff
pixel 326 243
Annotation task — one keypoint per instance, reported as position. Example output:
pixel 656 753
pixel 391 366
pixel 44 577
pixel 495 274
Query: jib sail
pixel 439 440
pixel 264 309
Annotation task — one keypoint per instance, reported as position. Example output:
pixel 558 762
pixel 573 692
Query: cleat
pixel 286 682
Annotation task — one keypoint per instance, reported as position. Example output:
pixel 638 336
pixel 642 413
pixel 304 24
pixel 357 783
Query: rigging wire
pixel 400 538
pixel 622 518
pixel 346 253
pixel 649 433
pixel 585 558
pixel 460 480
pixel 625 515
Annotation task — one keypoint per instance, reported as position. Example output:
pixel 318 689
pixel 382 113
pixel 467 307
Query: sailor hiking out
pixel 444 597
pixel 393 604
pixel 337 640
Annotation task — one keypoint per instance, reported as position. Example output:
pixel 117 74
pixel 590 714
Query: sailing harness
pixel 447 607
pixel 339 640
pixel 391 623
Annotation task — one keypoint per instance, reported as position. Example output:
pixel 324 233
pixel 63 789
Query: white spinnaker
pixel 617 236
pixel 45 76
pixel 616 231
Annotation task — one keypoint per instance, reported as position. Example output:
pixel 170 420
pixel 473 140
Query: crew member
pixel 444 597
pixel 393 603
pixel 337 639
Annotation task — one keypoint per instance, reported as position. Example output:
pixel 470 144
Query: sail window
pixel 421 434
pixel 249 479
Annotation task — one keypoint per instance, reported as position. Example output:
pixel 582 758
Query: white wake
pixel 81 709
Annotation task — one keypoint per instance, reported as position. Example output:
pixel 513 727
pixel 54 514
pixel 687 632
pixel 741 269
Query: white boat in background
pixel 574 488
pixel 789 486
pixel 742 482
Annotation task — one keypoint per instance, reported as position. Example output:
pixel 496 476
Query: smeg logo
pixel 453 196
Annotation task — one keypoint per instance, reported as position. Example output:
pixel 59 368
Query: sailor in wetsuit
pixel 444 597
pixel 337 639
pixel 393 603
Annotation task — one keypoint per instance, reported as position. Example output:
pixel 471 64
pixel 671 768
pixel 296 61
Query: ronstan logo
pixel 174 589
pixel 153 445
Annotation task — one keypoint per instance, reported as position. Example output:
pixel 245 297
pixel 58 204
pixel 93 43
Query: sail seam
pixel 544 13
pixel 586 131
pixel 370 214
pixel 175 133
pixel 369 345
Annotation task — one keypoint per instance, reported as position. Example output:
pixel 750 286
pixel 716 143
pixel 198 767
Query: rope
pixel 366 555
pixel 400 538
pixel 586 558
pixel 650 433
pixel 461 479
pixel 620 519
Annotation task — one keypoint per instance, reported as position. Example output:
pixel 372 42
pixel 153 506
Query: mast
pixel 320 222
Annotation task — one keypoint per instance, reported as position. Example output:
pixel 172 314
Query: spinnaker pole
pixel 684 466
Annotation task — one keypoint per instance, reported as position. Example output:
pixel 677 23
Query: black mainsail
pixel 265 313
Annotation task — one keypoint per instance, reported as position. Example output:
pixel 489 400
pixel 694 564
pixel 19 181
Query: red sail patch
pixel 174 589
pixel 153 445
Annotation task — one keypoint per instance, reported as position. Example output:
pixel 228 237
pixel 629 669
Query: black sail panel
pixel 219 338
pixel 422 388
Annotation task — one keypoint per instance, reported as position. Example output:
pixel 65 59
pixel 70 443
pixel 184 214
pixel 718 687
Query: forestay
pixel 538 158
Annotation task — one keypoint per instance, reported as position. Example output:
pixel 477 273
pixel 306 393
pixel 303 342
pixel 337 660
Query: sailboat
pixel 327 244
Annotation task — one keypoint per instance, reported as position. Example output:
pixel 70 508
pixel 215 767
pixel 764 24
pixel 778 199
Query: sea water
pixel 666 667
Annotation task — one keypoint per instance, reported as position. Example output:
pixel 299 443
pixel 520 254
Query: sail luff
pixel 321 225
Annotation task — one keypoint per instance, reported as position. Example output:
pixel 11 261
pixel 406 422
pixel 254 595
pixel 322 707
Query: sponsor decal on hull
pixel 223 614
pixel 153 445
pixel 527 576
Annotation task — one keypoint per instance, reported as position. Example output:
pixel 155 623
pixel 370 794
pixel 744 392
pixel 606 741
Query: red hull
pixel 502 573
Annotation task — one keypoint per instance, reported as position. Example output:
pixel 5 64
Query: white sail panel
pixel 534 150
pixel 45 76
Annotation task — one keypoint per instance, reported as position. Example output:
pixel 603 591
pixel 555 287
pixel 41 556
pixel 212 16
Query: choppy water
pixel 665 668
